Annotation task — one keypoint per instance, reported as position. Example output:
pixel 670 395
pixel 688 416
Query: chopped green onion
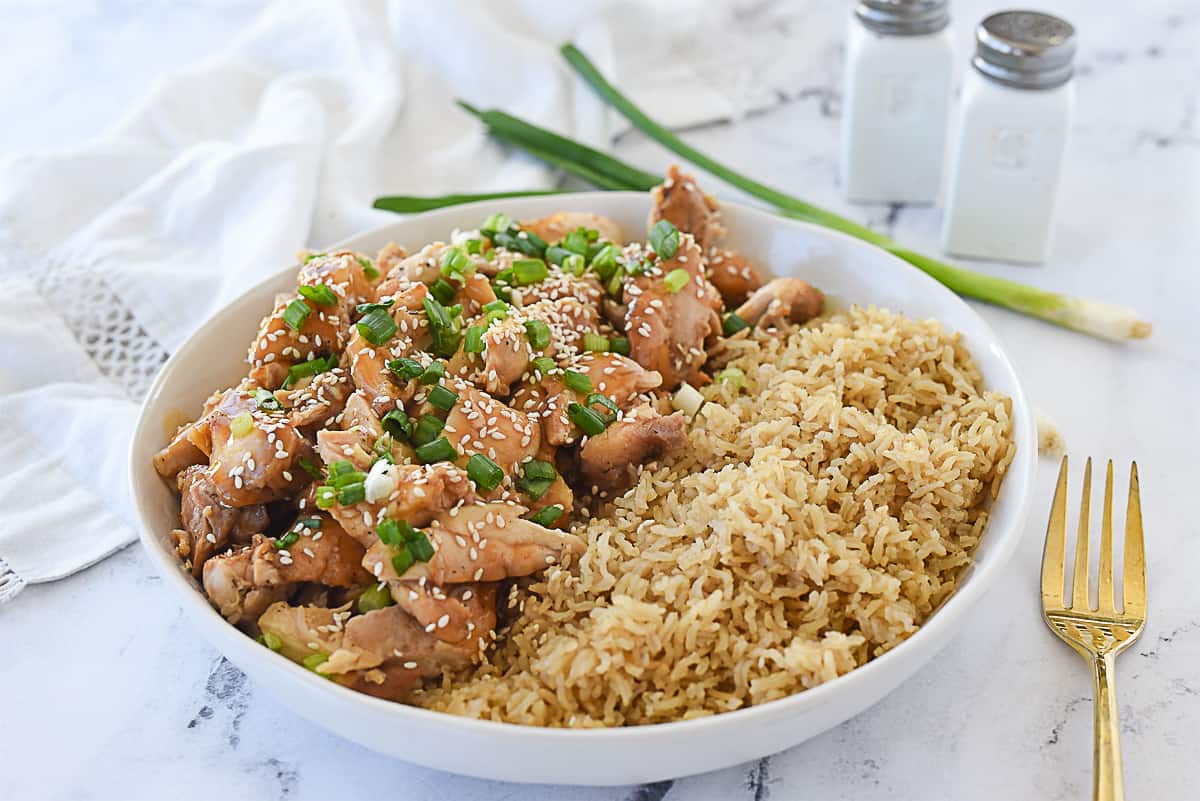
pixel 271 640
pixel 351 494
pixel 287 540
pixel 526 242
pixel 313 660
pixel 732 324
pixel 664 238
pixel 605 261
pixel 341 469
pixel 615 284
pixel 620 345
pixel 443 291
pixel 319 294
pixel 537 478
pixel 496 310
pixel 576 381
pixel 241 425
pixel 434 373
pixel 457 263
pixel 538 334
pixel 440 450
pixel 474 246
pixel 326 496
pixel 420 547
pixel 309 368
pixel 589 421
pixel 377 596
pixel 442 398
pixel 397 423
pixel 486 474
pixel 558 255
pixel 544 364
pixel 266 400
pixel 546 516
pixel 473 342
pixel 446 333
pixel 312 256
pixel 402 560
pixel 311 469
pixel 676 280
pixel 406 368
pixel 389 532
pixel 309 523
pixel 495 224
pixel 606 402
pixel 376 326
pixel 383 448
pixel 296 314
pixel 577 241
pixel 574 264
pixel 368 269
pixel 427 430
pixel 363 308
pixel 732 376
pixel 595 343
pixel 529 271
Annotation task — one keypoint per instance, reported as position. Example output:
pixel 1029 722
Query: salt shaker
pixel 899 60
pixel 1017 104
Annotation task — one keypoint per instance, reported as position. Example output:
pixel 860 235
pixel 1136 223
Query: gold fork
pixel 1099 634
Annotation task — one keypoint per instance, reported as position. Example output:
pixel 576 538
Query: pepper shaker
pixel 1017 104
pixel 899 59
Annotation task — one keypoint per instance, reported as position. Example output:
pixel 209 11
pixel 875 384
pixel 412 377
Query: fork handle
pixel 1107 782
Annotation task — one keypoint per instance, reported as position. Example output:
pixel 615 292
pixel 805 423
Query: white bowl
pixel 849 270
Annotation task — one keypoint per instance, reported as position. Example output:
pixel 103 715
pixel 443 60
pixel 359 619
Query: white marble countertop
pixel 107 692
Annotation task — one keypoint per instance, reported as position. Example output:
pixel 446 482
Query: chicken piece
pixel 252 461
pixel 368 362
pixel 478 423
pixel 422 267
pixel 609 461
pixel 687 207
pixel 388 257
pixel 343 272
pixel 782 300
pixel 667 329
pixel 561 285
pixel 302 631
pixel 475 293
pixel 452 615
pixel 554 227
pixel 481 542
pixel 229 585
pixel 179 454
pixel 733 275
pixel 508 352
pixel 210 526
pixel 313 405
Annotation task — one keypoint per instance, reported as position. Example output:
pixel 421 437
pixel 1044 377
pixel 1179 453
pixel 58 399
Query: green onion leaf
pixel 309 523
pixel 420 547
pixel 605 261
pixel 377 596
pixel 676 280
pixel 529 271
pixel 576 381
pixel 546 516
pixel 620 345
pixel 397 423
pixel 588 420
pixel 389 532
pixel 376 326
pixel 427 430
pixel 241 425
pixel 313 660
pixel 664 238
pixel 406 368
pixel 271 640
pixel 486 474
pixel 402 560
pixel 473 340
pixel 442 398
pixel 326 496
pixel 287 540
pixel 319 294
pixel 440 450
pixel 732 376
pixel 608 416
pixel 456 263
pixel 536 478
pixel 538 334
pixel 363 308
pixel 496 310
pixel 312 256
pixel 557 255
pixel 732 324
pixel 474 247
pixel 309 368
pixel 445 332
pixel 368 269
pixel 544 364
pixel 351 494
pixel 574 264
pixel 341 469
pixel 577 241
pixel 311 469
pixel 443 291
pixel 266 400
pixel 595 343
pixel 495 224
pixel 434 373
pixel 296 314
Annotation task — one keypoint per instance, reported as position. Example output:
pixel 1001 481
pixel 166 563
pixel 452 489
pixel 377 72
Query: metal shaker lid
pixel 1025 49
pixel 903 17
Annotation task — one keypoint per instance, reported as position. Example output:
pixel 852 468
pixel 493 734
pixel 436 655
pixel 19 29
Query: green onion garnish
pixel 406 368
pixel 605 261
pixel 271 640
pixel 577 241
pixel 397 423
pixel 440 450
pixel 473 340
pixel 377 596
pixel 427 430
pixel 266 400
pixel 538 333
pixel 457 263
pixel 595 343
pixel 296 314
pixel 495 224
pixel 605 401
pixel 311 469
pixel 732 324
pixel 312 660
pixel 732 376
pixel 620 345
pixel 557 255
pixel 241 425
pixel 544 364
pixel 664 238
pixel 326 496
pixel 546 516
pixel 442 398
pixel 309 523
pixel 319 294
pixel 376 326
pixel 496 310
pixel 443 291
pixel 420 547
pixel 402 560
pixel 312 256
pixel 576 381
pixel 351 494
pixel 529 271
pixel 474 247
pixel 309 368
pixel 446 333
pixel 368 269
pixel 676 280
pixel 537 476
pixel 389 532
pixel 486 474
pixel 383 448
pixel 340 470
pixel 434 373
pixel 526 242
pixel 287 540
pixel 574 264
pixel 589 421
pixel 363 308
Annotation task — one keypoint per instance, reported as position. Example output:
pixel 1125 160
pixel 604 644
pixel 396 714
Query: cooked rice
pixel 817 519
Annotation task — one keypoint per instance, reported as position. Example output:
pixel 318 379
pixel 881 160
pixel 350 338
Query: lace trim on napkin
pixel 10 582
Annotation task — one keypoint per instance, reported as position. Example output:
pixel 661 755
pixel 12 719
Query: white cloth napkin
pixel 112 254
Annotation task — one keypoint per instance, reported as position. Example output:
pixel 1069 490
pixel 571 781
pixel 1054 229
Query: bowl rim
pixel 940 624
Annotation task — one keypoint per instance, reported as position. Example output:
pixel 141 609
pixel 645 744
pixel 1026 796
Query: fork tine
pixel 1104 596
pixel 1054 556
pixel 1079 593
pixel 1134 589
